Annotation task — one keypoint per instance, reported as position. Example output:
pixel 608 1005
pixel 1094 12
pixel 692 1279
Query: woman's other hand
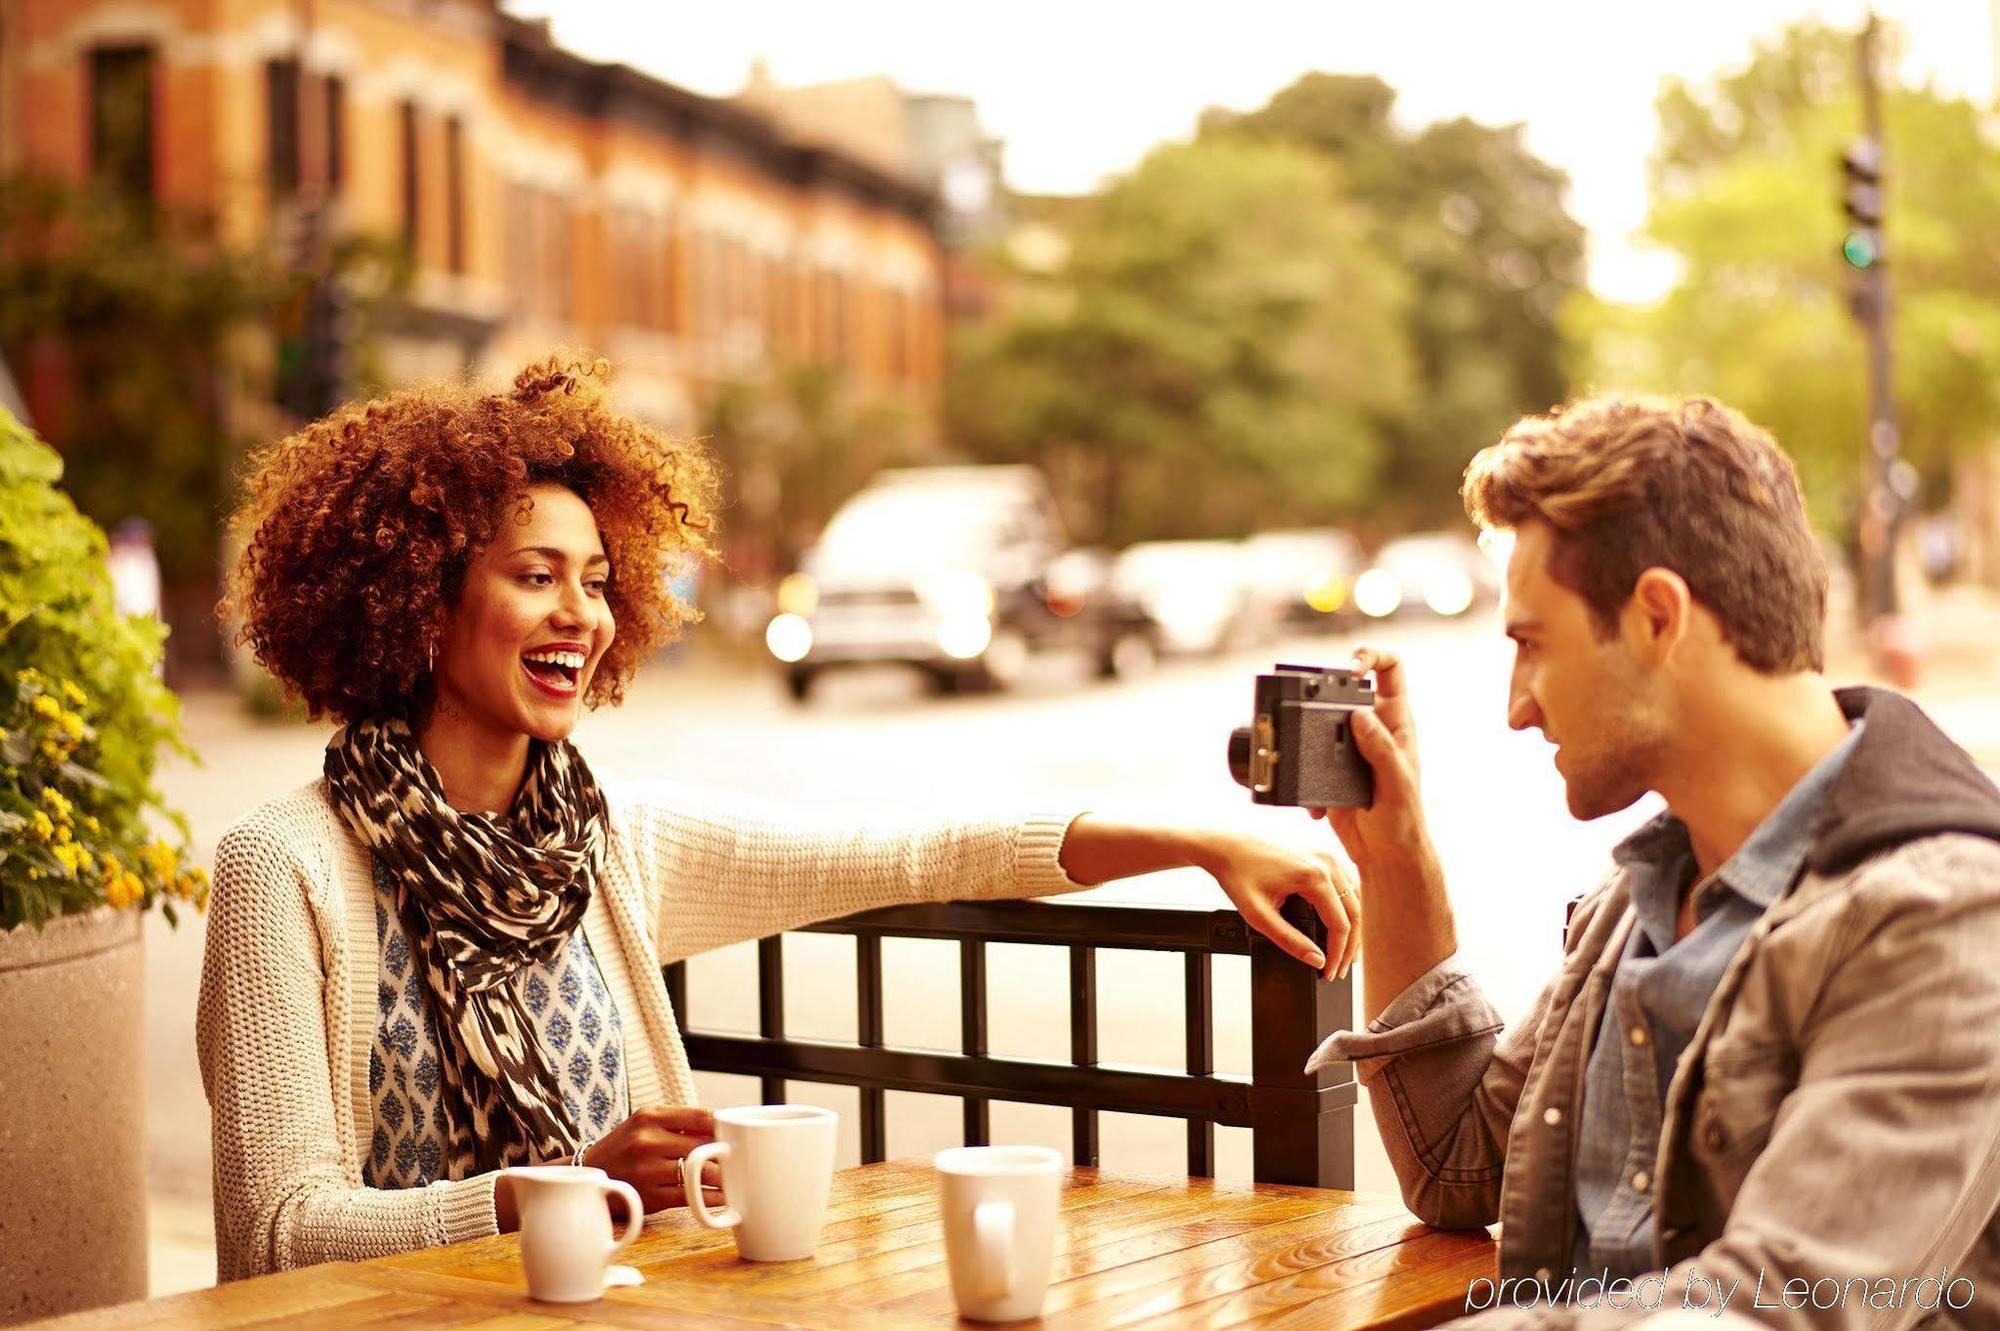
pixel 1260 877
pixel 646 1151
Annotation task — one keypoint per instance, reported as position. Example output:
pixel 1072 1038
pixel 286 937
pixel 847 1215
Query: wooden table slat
pixel 1131 1250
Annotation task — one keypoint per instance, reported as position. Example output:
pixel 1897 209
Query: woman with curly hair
pixel 441 957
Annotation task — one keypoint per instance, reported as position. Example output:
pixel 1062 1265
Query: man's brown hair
pixel 1687 485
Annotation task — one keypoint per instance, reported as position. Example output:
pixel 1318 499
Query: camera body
pixel 1299 746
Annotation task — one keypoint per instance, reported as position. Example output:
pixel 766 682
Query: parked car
pixel 1301 578
pixel 947 569
pixel 1442 573
pixel 1191 592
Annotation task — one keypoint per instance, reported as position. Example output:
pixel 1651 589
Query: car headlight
pixel 955 593
pixel 1377 593
pixel 789 637
pixel 1448 593
pixel 963 637
pixel 1327 594
pixel 798 594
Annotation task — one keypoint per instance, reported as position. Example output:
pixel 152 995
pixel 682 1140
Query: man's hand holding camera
pixel 1327 740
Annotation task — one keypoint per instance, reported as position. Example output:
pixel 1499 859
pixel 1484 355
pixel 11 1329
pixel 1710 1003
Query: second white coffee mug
pixel 998 1204
pixel 777 1166
pixel 566 1240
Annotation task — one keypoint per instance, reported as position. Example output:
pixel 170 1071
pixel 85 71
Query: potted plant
pixel 83 714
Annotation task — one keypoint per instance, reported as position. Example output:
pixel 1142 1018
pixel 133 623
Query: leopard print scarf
pixel 481 895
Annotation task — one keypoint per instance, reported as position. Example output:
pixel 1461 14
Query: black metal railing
pixel 1302 1125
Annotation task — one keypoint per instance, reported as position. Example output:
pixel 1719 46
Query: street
pixel 876 744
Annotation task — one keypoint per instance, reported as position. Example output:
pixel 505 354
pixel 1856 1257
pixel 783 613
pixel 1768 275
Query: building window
pixel 412 196
pixel 336 134
pixel 121 120
pixel 520 223
pixel 454 193
pixel 281 128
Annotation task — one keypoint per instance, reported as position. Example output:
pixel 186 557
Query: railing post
pixel 1083 1047
pixel 972 1033
pixel 1199 1005
pixel 1307 1137
pixel 868 981
pixel 771 1005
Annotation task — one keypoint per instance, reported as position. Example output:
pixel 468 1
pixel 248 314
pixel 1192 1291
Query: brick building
pixel 546 199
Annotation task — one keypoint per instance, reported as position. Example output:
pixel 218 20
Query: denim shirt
pixel 1658 993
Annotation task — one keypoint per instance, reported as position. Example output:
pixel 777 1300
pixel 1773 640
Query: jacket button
pixel 1552 1116
pixel 1641 1181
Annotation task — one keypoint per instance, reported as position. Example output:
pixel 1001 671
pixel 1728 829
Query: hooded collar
pixel 1905 779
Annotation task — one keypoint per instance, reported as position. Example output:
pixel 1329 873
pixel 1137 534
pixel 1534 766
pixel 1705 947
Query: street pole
pixel 1884 481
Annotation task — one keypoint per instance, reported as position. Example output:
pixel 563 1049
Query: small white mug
pixel 998 1204
pixel 566 1239
pixel 777 1167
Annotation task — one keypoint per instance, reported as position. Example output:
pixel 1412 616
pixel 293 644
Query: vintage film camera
pixel 1299 746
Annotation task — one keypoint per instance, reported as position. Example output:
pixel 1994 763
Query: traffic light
pixel 1861 198
pixel 314 331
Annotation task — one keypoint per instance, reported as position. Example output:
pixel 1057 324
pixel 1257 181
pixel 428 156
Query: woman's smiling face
pixel 532 622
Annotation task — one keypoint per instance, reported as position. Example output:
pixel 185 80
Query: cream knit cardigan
pixel 287 1008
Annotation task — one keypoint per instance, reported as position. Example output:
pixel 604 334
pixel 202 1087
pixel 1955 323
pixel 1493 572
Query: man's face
pixel 1589 696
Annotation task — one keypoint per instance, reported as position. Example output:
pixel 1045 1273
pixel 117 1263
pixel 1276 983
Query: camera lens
pixel 1239 755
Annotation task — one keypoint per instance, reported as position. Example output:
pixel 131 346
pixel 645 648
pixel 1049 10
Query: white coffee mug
pixel 777 1165
pixel 566 1240
pixel 998 1204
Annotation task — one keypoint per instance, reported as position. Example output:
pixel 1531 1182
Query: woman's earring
pixel 430 664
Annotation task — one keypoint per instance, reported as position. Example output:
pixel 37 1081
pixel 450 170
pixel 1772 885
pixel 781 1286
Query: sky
pixel 1079 90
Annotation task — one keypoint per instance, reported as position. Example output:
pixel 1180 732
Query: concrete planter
pixel 72 1125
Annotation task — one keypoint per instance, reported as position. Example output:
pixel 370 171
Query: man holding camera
pixel 1766 1079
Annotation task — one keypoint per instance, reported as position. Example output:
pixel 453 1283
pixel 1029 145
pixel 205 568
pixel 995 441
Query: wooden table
pixel 1131 1251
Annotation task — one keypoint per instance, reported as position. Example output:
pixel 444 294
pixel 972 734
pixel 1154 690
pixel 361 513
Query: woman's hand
pixel 646 1151
pixel 1260 877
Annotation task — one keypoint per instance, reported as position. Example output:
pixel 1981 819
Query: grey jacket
pixel 1835 1119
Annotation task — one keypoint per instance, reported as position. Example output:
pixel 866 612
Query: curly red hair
pixel 357 531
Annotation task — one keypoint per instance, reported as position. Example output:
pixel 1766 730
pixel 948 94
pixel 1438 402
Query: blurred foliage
pixel 83 713
pixel 1307 314
pixel 128 311
pixel 1217 352
pixel 1477 225
pixel 793 443
pixel 132 312
pixel 1747 193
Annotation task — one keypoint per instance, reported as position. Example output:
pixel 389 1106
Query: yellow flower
pixel 90 823
pixel 71 858
pixel 31 675
pixel 160 858
pixel 39 826
pixel 112 868
pixel 72 725
pixel 76 696
pixel 118 892
pixel 58 801
pixel 52 751
pixel 45 706
pixel 62 834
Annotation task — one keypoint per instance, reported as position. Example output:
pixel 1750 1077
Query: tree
pixel 125 314
pixel 1216 353
pixel 792 444
pixel 1746 194
pixel 1477 224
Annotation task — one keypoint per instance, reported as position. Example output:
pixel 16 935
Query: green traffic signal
pixel 1860 249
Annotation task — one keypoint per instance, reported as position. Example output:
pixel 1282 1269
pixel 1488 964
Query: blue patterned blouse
pixel 574 1017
